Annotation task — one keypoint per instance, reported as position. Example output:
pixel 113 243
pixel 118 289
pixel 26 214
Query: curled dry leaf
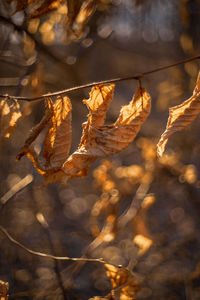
pixel 9 115
pixel 180 117
pixel 99 140
pixel 57 141
pixel 36 130
pixel 58 138
pixel 78 163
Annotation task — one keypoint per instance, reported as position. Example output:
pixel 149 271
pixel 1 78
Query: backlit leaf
pixel 180 117
pixel 9 115
pixel 36 130
pixel 58 138
pixel 57 141
pixel 100 141
pixel 107 140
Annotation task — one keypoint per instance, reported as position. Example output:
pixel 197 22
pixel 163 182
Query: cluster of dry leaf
pixel 98 140
pixel 77 12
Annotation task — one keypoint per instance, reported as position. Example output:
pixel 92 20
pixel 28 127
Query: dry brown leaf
pixel 180 117
pixel 58 138
pixel 9 115
pixel 36 130
pixel 98 140
pixel 123 282
pixel 78 163
pixel 57 141
pixel 107 140
pixel 100 98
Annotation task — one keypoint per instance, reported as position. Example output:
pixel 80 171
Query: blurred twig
pixel 46 255
pixel 45 227
pixel 135 205
pixel 16 188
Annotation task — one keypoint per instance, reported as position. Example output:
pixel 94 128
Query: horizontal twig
pixel 113 80
pixel 46 255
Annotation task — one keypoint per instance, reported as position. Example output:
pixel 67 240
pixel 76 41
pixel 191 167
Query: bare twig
pixel 45 227
pixel 16 188
pixel 135 205
pixel 113 80
pixel 46 255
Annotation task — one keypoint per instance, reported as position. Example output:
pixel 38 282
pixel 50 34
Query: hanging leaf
pixel 9 115
pixel 57 141
pixel 180 117
pixel 36 130
pixel 100 98
pixel 98 140
pixel 77 164
pixel 107 140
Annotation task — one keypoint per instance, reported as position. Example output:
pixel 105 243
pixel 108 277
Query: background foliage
pixel 131 209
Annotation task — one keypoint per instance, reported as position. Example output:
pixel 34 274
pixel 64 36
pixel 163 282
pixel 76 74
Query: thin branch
pixel 113 80
pixel 45 227
pixel 16 188
pixel 135 206
pixel 46 255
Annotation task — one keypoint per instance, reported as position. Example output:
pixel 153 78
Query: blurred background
pixel 132 209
